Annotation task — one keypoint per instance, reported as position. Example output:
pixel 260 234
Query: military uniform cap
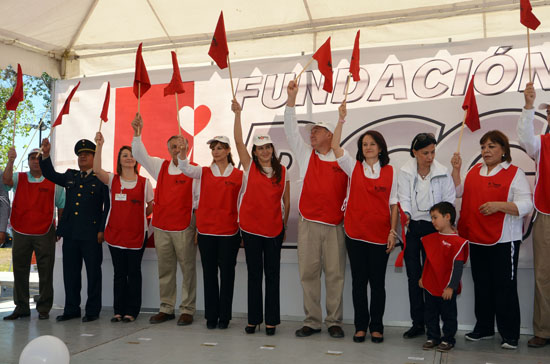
pixel 84 145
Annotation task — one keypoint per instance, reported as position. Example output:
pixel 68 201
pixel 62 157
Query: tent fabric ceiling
pixel 92 37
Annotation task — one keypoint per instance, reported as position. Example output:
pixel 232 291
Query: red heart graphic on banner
pixel 202 118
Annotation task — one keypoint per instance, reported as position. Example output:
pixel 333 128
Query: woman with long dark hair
pixel 263 215
pixel 126 228
pixel 495 197
pixel 217 227
pixel 369 223
pixel 422 182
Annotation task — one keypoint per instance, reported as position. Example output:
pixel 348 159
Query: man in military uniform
pixel 81 226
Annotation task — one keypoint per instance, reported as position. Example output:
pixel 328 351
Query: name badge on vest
pixel 120 197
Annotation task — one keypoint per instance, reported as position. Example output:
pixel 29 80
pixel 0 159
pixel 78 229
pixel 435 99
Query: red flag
pixel 354 64
pixel 218 48
pixel 141 76
pixel 403 222
pixel 470 104
pixel 526 16
pixel 66 106
pixel 176 84
pixel 105 110
pixel 17 95
pixel 323 57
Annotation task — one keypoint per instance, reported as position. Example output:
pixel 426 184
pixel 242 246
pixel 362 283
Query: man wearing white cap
pixel 33 221
pixel 538 148
pixel 174 226
pixel 321 245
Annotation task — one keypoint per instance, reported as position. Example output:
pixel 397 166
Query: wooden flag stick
pixel 178 114
pixel 348 81
pixel 231 77
pixel 305 68
pixel 100 124
pixel 139 94
pixel 14 123
pixel 461 131
pixel 529 54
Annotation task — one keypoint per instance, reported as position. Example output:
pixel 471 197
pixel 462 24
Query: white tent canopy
pixel 71 39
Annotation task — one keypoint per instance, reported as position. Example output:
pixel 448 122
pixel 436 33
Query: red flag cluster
pixel 527 17
pixel 66 106
pixel 176 84
pixel 323 56
pixel 470 106
pixel 218 48
pixel 105 109
pixel 17 95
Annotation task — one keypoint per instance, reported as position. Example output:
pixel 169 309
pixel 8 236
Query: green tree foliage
pixel 31 110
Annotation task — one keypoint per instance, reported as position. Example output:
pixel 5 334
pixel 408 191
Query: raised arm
pixel 100 173
pixel 525 129
pixel 186 167
pixel 47 167
pixel 301 150
pixel 337 137
pixel 7 178
pixel 151 164
pixel 238 135
pixel 456 163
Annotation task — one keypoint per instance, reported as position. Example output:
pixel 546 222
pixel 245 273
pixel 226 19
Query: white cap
pixel 219 138
pixel 323 124
pixel 259 140
pixel 543 106
pixel 35 150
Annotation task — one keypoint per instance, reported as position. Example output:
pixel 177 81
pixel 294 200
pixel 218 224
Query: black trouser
pixel 74 251
pixel 436 307
pixel 368 266
pixel 127 280
pixel 494 271
pixel 263 255
pixel 44 248
pixel 218 253
pixel 414 260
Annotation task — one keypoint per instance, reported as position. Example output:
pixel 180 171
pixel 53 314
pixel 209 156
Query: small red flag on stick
pixel 66 106
pixel 323 56
pixel 176 84
pixel 141 77
pixel 471 114
pixel 354 64
pixel 218 48
pixel 17 95
pixel 105 110
pixel 403 223
pixel 526 16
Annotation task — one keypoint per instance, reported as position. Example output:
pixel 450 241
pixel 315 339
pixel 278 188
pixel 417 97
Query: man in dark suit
pixel 81 226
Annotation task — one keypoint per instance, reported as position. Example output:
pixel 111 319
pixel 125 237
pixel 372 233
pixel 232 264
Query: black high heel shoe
pixel 251 329
pixel 270 331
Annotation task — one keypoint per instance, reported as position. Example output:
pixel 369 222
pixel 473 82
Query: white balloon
pixel 45 349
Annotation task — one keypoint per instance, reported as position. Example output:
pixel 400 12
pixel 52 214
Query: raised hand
pixel 12 154
pixel 342 111
pixel 235 107
pixel 99 139
pixel 137 124
pixel 292 91
pixel 530 95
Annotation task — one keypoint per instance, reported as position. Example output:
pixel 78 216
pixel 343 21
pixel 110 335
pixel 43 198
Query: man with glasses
pixel 538 148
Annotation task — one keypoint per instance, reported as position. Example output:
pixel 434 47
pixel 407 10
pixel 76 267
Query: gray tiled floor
pixel 141 342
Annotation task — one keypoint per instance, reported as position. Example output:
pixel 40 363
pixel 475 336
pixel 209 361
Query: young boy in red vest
pixel 446 253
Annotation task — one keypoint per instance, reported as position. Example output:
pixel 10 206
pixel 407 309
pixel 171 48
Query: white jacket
pixel 441 185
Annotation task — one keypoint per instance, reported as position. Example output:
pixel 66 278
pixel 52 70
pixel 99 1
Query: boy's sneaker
pixel 429 345
pixel 509 344
pixel 476 336
pixel 445 346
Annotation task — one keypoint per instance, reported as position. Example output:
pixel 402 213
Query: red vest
pixel 217 212
pixel 541 196
pixel 173 201
pixel 125 226
pixel 33 206
pixel 323 192
pixel 477 228
pixel 441 253
pixel 368 209
pixel 260 212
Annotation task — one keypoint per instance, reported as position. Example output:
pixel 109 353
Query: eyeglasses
pixel 422 137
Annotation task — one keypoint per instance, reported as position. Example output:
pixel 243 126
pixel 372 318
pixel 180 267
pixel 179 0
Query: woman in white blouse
pixel 495 198
pixel 369 224
pixel 423 182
